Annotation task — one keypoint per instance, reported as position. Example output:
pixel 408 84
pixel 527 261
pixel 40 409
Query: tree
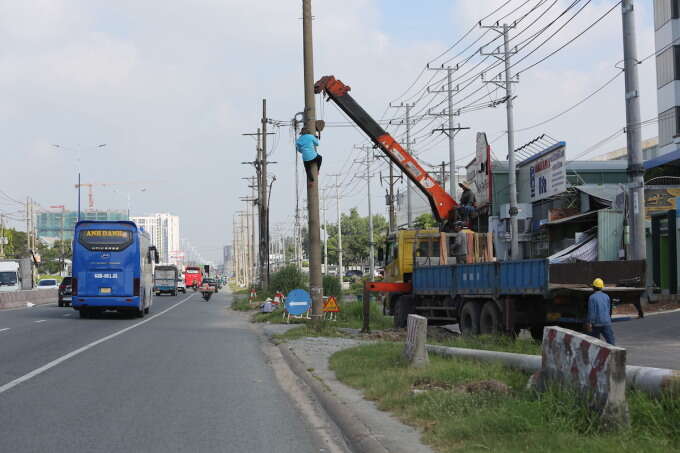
pixel 424 222
pixel 355 246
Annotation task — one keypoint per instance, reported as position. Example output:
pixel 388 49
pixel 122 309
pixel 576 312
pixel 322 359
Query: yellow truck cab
pixel 403 246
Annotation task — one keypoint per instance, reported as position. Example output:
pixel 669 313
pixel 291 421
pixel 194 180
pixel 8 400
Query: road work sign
pixel 298 302
pixel 331 305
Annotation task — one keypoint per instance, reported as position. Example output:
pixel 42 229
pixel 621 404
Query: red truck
pixel 193 277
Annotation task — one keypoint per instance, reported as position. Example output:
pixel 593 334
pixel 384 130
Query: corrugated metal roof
pixel 606 192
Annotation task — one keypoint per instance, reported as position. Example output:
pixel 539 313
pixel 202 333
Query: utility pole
pixel 504 30
pixel 451 130
pixel 315 283
pixel 264 205
pixel 638 247
pixel 409 186
pixel 337 207
pixel 389 196
pixel 2 236
pixel 371 248
pixel 325 234
pixel 28 224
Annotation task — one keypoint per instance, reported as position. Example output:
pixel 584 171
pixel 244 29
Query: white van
pixel 10 279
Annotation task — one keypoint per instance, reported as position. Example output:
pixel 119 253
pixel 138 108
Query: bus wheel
pixel 83 313
pixel 490 319
pixel 469 319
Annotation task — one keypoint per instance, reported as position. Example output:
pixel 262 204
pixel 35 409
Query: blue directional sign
pixel 298 302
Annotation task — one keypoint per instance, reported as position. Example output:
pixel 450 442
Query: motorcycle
pixel 206 292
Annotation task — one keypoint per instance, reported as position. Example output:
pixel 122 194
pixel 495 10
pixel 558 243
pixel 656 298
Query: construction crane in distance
pixel 90 193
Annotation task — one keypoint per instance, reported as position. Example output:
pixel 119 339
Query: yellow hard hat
pixel 598 283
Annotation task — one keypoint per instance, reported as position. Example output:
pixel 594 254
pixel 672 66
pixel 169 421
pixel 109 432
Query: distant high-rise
pixel 49 224
pixel 164 231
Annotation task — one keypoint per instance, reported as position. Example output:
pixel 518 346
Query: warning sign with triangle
pixel 331 305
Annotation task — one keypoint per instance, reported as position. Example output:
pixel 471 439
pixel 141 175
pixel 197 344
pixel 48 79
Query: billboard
pixel 543 175
pixel 478 172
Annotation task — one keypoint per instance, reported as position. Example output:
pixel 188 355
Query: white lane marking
pixel 68 314
pixel 40 320
pixel 6 328
pixel 65 357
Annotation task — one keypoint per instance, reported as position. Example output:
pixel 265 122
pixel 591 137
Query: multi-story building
pixel 667 44
pixel 164 231
pixel 50 225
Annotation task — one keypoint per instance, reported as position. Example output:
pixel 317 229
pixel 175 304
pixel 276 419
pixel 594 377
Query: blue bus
pixel 112 268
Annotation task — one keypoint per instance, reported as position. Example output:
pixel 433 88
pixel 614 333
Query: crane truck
pixel 484 297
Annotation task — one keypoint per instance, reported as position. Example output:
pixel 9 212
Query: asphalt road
pixel 187 377
pixel 652 341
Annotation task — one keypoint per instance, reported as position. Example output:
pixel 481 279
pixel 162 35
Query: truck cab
pixel 405 246
pixel 10 277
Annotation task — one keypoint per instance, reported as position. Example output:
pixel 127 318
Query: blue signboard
pixel 298 302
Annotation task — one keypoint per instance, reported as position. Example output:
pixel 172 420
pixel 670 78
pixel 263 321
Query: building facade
pixel 51 224
pixel 165 235
pixel 667 45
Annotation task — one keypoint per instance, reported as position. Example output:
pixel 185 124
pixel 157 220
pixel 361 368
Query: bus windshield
pixel 105 240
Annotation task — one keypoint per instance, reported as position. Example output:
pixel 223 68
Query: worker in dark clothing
pixel 467 201
pixel 599 320
pixel 306 145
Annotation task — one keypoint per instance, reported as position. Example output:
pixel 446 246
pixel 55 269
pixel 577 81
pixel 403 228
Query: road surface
pixel 652 341
pixel 187 377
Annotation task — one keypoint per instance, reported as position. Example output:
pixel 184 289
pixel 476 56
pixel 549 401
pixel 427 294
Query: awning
pixel 578 218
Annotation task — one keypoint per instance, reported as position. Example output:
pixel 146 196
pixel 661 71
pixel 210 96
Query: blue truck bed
pixel 496 278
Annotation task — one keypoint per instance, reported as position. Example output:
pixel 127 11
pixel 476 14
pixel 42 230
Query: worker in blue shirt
pixel 306 145
pixel 599 320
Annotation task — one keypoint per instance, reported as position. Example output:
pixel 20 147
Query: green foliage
pixel 519 420
pixel 287 279
pixel 424 222
pixel 331 286
pixel 355 244
pixel 241 303
pixel 494 343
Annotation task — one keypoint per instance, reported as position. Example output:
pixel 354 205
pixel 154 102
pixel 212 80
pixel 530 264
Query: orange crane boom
pixel 443 205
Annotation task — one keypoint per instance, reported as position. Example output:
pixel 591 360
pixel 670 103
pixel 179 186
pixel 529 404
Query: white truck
pixel 10 278
pixel 16 274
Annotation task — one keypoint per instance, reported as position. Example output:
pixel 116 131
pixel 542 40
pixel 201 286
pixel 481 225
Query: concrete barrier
pixel 592 367
pixel 15 299
pixel 416 337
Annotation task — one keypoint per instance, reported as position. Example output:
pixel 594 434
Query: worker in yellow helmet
pixel 599 320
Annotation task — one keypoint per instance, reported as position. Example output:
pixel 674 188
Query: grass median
pixel 465 405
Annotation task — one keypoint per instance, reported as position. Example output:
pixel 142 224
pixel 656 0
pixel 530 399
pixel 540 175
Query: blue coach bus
pixel 112 268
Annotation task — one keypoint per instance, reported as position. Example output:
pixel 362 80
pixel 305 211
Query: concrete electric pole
pixel 504 55
pixel 636 220
pixel 337 207
pixel 315 282
pixel 409 188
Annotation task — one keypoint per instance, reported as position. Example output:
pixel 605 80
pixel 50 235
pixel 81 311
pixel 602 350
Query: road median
pixel 16 299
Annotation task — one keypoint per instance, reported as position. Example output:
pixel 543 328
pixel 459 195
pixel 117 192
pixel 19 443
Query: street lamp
pixel 77 151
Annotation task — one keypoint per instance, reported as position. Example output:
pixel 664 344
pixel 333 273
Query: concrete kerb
pixel 356 433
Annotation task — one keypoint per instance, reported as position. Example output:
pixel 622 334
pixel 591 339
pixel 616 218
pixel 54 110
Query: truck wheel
pixel 490 319
pixel 536 332
pixel 402 308
pixel 469 319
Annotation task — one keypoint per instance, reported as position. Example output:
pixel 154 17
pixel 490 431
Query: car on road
pixel 353 274
pixel 181 286
pixel 48 283
pixel 65 293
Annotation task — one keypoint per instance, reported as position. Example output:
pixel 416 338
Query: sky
pixel 170 87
